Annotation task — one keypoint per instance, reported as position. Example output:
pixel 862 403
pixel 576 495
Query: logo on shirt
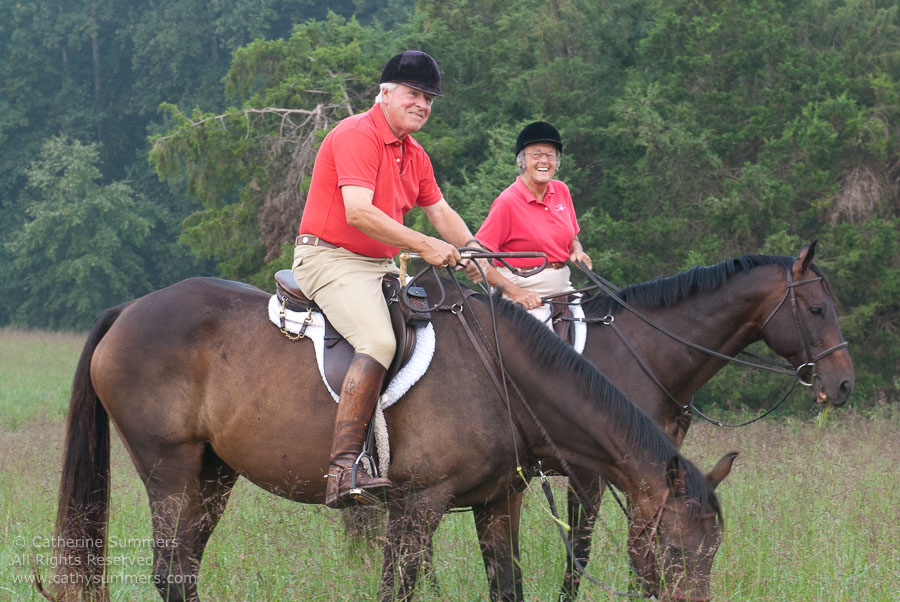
pixel 560 207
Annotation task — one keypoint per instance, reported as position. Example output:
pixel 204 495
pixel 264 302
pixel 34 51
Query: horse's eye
pixel 816 311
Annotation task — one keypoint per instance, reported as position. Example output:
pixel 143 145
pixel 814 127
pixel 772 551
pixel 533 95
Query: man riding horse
pixel 368 173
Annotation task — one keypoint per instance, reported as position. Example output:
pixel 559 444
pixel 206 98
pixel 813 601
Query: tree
pixel 693 131
pixel 80 249
pixel 250 166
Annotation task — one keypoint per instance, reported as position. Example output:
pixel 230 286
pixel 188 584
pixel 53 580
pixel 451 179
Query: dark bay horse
pixel 202 389
pixel 723 307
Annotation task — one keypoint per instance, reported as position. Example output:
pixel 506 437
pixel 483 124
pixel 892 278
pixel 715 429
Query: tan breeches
pixel 347 287
pixel 546 282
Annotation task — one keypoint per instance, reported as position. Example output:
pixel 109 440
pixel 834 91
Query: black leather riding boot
pixel 359 394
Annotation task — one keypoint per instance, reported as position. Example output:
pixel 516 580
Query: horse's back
pixel 200 364
pixel 167 328
pixel 199 361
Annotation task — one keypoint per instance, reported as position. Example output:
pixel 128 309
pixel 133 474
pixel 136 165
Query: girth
pixel 338 352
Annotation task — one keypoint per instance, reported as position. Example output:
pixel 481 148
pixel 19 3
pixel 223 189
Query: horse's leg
pixel 430 570
pixel 188 488
pixel 497 525
pixel 682 424
pixel 582 530
pixel 217 479
pixel 411 526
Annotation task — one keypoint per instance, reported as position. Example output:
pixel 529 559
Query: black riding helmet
pixel 415 69
pixel 539 131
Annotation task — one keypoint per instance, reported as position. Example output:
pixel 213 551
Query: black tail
pixel 83 510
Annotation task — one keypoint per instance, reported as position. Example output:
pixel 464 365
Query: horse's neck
pixel 588 433
pixel 725 320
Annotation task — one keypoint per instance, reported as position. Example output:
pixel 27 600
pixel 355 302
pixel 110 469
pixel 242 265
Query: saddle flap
pixel 339 352
pixel 561 317
pixel 417 313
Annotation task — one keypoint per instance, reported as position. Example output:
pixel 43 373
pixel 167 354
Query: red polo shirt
pixel 363 151
pixel 517 221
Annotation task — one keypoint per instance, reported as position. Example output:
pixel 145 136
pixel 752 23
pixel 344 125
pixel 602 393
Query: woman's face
pixel 540 163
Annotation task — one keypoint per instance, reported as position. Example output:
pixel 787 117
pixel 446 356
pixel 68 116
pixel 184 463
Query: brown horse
pixel 785 301
pixel 203 389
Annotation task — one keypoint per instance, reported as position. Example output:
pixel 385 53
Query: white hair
pixel 384 86
pixel 520 160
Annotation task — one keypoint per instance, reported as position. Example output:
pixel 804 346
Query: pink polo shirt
pixel 363 151
pixel 517 221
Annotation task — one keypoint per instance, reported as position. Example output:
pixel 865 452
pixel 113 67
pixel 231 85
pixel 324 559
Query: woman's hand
pixel 581 256
pixel 525 298
pixel 472 271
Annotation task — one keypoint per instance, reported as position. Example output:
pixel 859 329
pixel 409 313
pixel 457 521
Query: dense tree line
pixel 694 131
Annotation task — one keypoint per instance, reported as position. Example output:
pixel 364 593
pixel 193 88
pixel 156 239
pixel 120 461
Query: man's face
pixel 406 109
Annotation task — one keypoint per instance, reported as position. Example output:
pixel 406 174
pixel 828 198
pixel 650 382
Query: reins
pixel 499 376
pixel 548 493
pixel 764 364
pixel 460 308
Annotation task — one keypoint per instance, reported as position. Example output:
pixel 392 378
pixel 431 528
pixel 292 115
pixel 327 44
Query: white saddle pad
pixel 580 326
pixel 401 383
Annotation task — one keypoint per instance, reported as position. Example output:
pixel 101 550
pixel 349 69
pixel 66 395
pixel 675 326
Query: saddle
pixel 339 352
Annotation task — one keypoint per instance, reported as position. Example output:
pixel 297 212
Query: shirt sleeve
pixel 429 191
pixel 494 231
pixel 575 227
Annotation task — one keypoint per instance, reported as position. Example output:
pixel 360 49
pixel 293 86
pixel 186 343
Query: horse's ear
pixel 722 469
pixel 805 258
pixel 676 477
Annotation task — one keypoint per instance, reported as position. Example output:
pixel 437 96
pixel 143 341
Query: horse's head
pixel 672 544
pixel 802 326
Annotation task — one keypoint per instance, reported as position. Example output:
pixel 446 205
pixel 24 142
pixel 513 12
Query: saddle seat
pixel 339 352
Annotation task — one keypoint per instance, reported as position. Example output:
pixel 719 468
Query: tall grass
pixel 35 374
pixel 811 513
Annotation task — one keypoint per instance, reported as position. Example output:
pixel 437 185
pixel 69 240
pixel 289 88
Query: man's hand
pixel 437 252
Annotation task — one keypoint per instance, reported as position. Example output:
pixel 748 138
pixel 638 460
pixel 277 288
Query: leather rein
pixel 804 374
pixel 500 378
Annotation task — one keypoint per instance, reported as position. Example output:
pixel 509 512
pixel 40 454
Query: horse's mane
pixel 555 355
pixel 668 291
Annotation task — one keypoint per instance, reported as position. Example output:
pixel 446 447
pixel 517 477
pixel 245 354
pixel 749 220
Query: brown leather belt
pixel 314 241
pixel 552 265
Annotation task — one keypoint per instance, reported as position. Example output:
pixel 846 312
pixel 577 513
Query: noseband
pixel 808 367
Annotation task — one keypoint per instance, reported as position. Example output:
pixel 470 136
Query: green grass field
pixel 811 512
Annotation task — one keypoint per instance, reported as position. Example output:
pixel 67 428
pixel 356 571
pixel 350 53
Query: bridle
pixel 809 363
pixel 652 525
pixel 805 373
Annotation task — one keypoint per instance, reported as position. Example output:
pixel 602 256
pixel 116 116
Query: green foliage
pixel 693 131
pixel 80 249
pixel 250 166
